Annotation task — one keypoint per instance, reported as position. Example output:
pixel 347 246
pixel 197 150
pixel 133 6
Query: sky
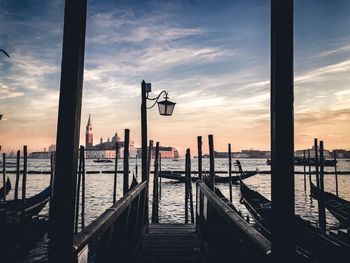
pixel 213 57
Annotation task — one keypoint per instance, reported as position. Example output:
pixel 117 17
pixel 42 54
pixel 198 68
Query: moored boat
pixel 309 239
pixel 338 207
pixel 4 192
pixel 11 211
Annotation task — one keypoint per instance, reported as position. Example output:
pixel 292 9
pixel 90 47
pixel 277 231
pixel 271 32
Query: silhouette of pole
pixel 68 130
pixel 322 210
pixel 316 163
pixel 335 172
pixel 282 131
pixel 115 172
pixel 211 161
pixel 4 175
pixel 18 160
pixel 126 161
pixel 230 170
pixel 199 145
pixel 304 165
pixel 144 130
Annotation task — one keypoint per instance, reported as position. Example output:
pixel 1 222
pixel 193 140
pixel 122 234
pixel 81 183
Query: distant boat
pixel 8 188
pixel 103 161
pixel 218 179
pixel 175 160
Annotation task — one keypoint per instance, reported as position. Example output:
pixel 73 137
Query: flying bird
pixel 3 51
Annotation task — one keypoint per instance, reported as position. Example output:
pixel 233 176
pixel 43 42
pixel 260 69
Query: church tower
pixel 88 134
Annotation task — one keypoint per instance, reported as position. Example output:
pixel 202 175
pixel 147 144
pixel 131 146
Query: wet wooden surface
pixel 170 243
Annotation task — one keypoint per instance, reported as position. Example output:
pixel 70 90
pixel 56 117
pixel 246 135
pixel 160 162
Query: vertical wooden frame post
pixel 68 129
pixel 282 130
pixel 199 145
pixel 126 161
pixel 211 162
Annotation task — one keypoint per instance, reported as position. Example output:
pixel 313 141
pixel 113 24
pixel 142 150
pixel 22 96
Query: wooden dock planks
pixel 170 243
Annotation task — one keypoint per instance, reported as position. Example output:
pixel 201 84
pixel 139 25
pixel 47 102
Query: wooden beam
pixel 211 162
pixel 68 130
pixel 282 130
pixel 199 145
pixel 126 161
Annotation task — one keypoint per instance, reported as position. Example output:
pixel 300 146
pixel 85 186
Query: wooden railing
pixel 115 234
pixel 224 233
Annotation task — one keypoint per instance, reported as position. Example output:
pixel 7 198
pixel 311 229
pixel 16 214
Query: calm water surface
pixel 99 192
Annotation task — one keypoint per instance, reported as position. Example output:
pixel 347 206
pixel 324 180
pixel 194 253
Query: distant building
pixel 244 154
pixel 166 152
pixel 52 148
pixel 89 137
pixel 300 153
pixel 40 155
pixel 105 149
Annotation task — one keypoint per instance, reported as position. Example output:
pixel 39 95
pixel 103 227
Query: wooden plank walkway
pixel 170 243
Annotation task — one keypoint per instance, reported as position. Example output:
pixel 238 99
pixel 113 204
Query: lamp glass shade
pixel 166 107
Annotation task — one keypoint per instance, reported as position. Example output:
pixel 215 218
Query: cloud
pixel 7 93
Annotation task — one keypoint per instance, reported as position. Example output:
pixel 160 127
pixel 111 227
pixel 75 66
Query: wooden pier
pixel 173 243
pixel 123 230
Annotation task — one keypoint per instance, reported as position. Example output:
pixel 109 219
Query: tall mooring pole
pixel 68 129
pixel 282 130
pixel 144 130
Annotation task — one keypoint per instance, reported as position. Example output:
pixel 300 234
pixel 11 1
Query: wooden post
pixel 322 210
pixel 335 172
pixel 68 130
pixel 83 191
pixel 186 186
pixel 190 186
pixel 77 200
pixel 24 181
pixel 18 171
pixel 304 165
pixel 149 155
pixel 230 170
pixel 155 218
pixel 316 163
pixel 282 131
pixel 212 162
pixel 309 161
pixel 126 161
pixel 115 172
pixel 52 167
pixel 199 145
pixel 150 150
pixel 144 131
pixel 136 168
pixel 160 178
pixel 4 174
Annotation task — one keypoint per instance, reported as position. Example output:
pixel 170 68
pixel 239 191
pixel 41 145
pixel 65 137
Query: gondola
pixel 309 239
pixel 8 188
pixel 103 161
pixel 218 179
pixel 339 208
pixel 11 211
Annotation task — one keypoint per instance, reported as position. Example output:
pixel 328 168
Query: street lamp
pixel 165 107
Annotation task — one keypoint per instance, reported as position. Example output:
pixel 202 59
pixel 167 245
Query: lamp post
pixel 6 54
pixel 166 108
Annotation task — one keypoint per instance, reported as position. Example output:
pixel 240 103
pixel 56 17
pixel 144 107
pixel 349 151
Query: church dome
pixel 116 138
